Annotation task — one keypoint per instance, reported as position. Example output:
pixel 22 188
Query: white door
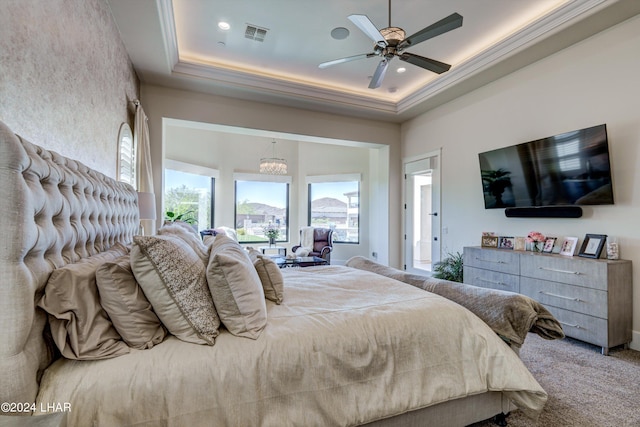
pixel 422 213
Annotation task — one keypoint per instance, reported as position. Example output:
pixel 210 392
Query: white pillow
pixel 186 232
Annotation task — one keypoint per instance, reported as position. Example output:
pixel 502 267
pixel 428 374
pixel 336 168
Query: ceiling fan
pixel 391 41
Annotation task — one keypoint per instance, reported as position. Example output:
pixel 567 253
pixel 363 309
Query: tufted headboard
pixel 53 211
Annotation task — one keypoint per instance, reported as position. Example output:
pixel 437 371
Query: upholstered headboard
pixel 53 211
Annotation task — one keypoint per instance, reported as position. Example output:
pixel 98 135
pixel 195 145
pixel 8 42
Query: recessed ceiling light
pixel 339 33
pixel 401 70
pixel 224 26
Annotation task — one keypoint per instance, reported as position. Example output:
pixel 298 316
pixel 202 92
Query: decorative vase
pixel 535 246
pixel 272 241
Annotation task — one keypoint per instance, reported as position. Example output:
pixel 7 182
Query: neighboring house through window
pixel 261 202
pixel 334 202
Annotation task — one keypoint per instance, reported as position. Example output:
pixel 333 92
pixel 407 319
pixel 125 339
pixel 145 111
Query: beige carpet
pixel 586 389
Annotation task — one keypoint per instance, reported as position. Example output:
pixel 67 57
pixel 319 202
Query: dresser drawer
pixel 574 271
pixel 588 301
pixel 491 279
pixel 502 260
pixel 580 326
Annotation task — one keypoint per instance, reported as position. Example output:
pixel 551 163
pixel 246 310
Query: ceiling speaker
pixel 544 212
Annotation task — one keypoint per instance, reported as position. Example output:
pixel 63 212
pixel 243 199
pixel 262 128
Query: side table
pixel 282 251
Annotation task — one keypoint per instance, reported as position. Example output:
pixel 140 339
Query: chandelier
pixel 273 165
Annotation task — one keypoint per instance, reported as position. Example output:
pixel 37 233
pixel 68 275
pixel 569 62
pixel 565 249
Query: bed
pixel 343 347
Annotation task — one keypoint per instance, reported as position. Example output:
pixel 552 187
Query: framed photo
pixel 548 245
pixel 519 244
pixel 568 246
pixel 506 242
pixel 489 241
pixel 592 245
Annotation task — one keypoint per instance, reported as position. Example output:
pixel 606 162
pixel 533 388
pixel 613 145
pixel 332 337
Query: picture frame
pixel 592 245
pixel 568 246
pixel 506 242
pixel 520 244
pixel 489 241
pixel 548 245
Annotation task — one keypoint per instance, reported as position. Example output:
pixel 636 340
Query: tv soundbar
pixel 544 212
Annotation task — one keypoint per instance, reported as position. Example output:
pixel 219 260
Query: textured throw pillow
pixel 236 289
pixel 79 325
pixel 173 279
pixel 270 276
pixel 129 310
pixel 186 232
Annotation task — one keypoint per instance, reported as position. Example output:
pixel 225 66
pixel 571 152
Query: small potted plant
pixel 450 268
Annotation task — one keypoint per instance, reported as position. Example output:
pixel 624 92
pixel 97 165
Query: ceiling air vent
pixel 255 33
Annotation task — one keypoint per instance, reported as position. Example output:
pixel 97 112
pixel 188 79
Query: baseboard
pixel 635 340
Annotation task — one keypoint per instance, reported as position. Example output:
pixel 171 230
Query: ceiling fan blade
pixel 376 80
pixel 449 23
pixel 367 27
pixel 347 59
pixel 426 63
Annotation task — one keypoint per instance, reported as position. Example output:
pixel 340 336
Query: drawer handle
pixel 480 279
pixel 559 271
pixel 560 296
pixel 490 260
pixel 571 325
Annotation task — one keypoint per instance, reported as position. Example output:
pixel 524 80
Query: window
pixel 126 156
pixel 335 204
pixel 189 192
pixel 261 202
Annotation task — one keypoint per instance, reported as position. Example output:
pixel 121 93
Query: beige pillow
pixel 236 289
pixel 80 326
pixel 128 308
pixel 270 276
pixel 186 232
pixel 173 279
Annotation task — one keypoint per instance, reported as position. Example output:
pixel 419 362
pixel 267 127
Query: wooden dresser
pixel 591 298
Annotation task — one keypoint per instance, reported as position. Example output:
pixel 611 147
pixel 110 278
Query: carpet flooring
pixel 585 388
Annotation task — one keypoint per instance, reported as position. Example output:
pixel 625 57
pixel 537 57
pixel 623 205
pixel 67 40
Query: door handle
pixel 434 214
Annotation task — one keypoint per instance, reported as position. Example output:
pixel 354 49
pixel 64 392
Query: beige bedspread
pixel 510 315
pixel 345 347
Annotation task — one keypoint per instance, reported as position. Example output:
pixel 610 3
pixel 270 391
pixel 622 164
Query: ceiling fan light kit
pixel 391 42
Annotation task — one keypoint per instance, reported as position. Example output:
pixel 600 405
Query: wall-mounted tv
pixel 572 168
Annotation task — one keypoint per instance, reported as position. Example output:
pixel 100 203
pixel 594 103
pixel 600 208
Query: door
pixel 422 214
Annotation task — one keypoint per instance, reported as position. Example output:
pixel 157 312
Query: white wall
pixel 160 103
pixel 593 82
pixel 232 152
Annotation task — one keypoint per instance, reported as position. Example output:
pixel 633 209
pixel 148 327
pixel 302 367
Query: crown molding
pixel 300 89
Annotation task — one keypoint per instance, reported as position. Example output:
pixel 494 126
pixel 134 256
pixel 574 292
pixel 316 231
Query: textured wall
pixel 65 77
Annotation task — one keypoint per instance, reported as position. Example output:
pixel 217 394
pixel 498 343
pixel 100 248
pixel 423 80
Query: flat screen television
pixel 572 168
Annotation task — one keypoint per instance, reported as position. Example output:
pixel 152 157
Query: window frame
pixel 250 177
pixel 322 179
pixel 193 169
pixel 127 153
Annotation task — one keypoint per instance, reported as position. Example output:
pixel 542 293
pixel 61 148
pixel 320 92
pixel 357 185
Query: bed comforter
pixel 346 347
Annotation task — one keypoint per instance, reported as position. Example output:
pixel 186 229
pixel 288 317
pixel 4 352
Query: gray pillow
pixel 79 325
pixel 236 288
pixel 173 279
pixel 270 276
pixel 129 310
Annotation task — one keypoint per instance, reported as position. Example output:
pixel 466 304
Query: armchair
pixel 321 246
